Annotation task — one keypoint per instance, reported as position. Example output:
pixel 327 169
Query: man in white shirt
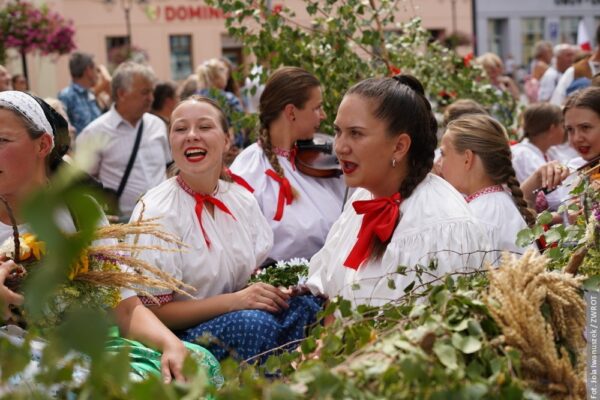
pixel 564 55
pixel 585 68
pixel 111 137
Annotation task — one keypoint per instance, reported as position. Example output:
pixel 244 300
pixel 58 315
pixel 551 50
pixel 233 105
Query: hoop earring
pixel 394 163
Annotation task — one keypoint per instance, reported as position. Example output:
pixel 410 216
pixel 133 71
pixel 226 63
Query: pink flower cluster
pixel 28 28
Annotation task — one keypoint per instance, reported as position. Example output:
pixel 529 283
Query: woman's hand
pixel 261 296
pixel 171 362
pixel 551 175
pixel 7 296
pixel 548 176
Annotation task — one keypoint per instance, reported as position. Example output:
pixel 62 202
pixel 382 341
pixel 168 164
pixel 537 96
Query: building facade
pixel 510 28
pixel 177 35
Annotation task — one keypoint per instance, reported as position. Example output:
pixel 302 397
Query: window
pixel 232 50
pixel 498 36
pixel 181 56
pixel 568 29
pixel 532 31
pixel 116 50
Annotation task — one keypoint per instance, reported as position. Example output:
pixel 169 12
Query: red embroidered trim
pixel 484 191
pixel 186 188
pixel 289 154
pixel 162 299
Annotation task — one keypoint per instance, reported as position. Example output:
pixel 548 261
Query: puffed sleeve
pixel 163 255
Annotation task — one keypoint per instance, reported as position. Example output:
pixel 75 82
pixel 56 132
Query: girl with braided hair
pixel 401 214
pixel 476 160
pixel 299 208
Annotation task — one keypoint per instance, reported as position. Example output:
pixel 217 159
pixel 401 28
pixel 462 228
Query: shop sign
pixel 173 13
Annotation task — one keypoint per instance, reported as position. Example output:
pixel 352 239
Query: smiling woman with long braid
pixel 300 208
pixel 401 214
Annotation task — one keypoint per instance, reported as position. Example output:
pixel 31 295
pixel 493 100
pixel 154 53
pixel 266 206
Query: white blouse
pixel 526 158
pixel 435 224
pixel 237 245
pixel 500 218
pixel 303 228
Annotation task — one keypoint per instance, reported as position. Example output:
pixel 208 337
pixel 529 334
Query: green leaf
pixel 592 283
pixel 409 287
pixel 401 270
pixel 554 253
pixel 391 284
pixel 552 235
pixel 308 345
pixel 417 310
pixel 460 326
pixel 545 218
pixel 345 307
pixel 525 237
pixel 475 328
pixel 466 344
pixel 84 331
pixel 446 354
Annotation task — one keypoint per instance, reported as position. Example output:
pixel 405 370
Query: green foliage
pixel 40 287
pixel 581 239
pixel 353 40
pixel 283 274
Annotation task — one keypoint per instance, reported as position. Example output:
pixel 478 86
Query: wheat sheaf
pixel 541 314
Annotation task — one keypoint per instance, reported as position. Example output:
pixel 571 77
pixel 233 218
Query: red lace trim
pixel 162 299
pixel 484 191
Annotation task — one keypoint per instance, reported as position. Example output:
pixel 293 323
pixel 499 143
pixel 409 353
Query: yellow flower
pixel 34 246
pixel 29 247
pixel 81 266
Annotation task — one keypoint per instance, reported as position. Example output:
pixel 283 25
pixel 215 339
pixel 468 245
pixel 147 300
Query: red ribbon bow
pixel 285 193
pixel 239 180
pixel 380 217
pixel 200 199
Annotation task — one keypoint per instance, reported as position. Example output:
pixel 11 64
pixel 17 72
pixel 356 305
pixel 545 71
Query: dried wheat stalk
pixel 518 290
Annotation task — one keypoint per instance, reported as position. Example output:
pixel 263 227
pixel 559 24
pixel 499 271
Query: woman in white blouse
pixel 300 208
pixel 476 160
pixel 226 236
pixel 400 215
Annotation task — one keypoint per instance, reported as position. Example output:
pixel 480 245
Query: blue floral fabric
pixel 248 333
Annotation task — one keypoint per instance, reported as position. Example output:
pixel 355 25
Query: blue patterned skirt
pixel 247 333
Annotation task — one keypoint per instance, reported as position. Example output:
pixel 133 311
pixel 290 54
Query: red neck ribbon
pixel 239 180
pixel 380 217
pixel 285 193
pixel 200 199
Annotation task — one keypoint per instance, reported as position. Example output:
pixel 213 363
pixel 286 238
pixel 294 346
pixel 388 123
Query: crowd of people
pixel 405 195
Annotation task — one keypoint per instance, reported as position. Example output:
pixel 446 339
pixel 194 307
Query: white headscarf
pixel 26 106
